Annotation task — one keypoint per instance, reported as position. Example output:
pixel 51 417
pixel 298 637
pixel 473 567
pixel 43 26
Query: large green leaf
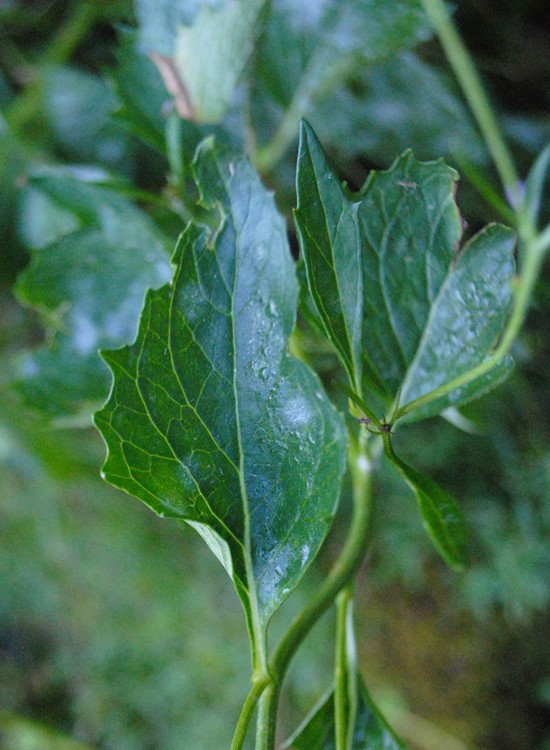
pixel 396 297
pixel 209 418
pixel 200 60
pixel 372 732
pixel 88 284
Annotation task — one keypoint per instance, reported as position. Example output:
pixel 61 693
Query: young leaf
pixel 372 731
pixel 209 419
pixel 394 295
pixel 89 286
pixel 441 517
pixel 201 62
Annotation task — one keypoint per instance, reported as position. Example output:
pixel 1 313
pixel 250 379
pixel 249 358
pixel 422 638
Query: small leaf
pixel 209 419
pixel 201 62
pixel 441 517
pixel 372 731
pixel 89 287
pixel 400 304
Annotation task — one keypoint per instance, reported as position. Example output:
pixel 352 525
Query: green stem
pixel 27 105
pixel 258 687
pixel 342 572
pixel 341 673
pixel 345 674
pixel 474 92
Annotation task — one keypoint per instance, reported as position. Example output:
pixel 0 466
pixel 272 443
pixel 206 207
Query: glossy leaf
pixel 441 517
pixel 200 61
pixel 372 732
pixel 89 286
pixel 209 419
pixel 400 303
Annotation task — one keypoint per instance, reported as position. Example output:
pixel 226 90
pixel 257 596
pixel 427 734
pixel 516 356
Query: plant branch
pixel 258 687
pixel 345 677
pixel 343 571
pixel 473 90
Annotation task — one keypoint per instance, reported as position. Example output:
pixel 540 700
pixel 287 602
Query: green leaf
pixel 372 732
pixel 309 50
pixel 89 287
pixel 78 107
pixel 378 115
pixel 209 419
pixel 441 517
pixel 202 62
pixel 399 301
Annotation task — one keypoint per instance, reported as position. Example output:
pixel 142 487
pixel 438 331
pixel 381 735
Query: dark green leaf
pixel 441 517
pixel 210 419
pixel 141 93
pixel 396 297
pixel 89 286
pixel 372 732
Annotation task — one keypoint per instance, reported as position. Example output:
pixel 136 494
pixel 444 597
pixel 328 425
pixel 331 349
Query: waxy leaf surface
pixel 89 284
pixel 404 308
pixel 210 419
pixel 372 732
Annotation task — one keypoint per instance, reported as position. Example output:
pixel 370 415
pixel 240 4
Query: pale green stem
pixel 343 571
pixel 258 687
pixel 341 672
pixel 345 673
pixel 474 92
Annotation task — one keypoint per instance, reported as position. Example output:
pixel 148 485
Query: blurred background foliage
pixel 120 630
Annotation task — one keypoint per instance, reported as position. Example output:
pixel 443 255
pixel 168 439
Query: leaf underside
pixel 209 419
pixel 400 303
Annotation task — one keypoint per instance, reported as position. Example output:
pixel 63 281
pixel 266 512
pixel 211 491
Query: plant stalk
pixel 258 687
pixel 343 572
pixel 475 94
pixel 345 673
